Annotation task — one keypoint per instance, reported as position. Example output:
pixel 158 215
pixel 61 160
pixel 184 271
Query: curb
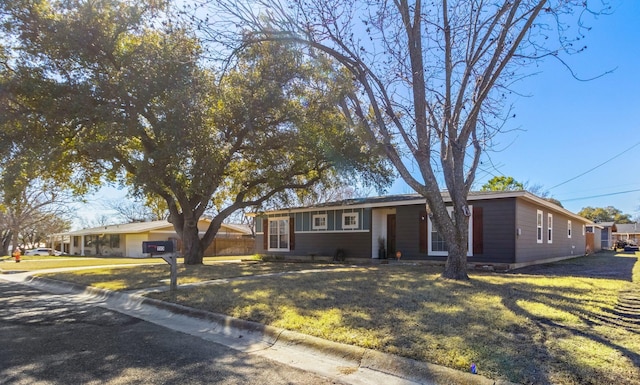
pixel 359 358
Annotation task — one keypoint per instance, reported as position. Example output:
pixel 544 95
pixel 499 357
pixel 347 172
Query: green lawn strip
pixel 148 276
pixel 33 263
pixel 521 327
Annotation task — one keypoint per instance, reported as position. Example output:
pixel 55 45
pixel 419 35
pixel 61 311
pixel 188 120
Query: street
pixel 46 339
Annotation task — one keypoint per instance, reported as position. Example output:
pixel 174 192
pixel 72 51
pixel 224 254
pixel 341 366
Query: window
pixel 350 220
pixel 539 226
pixel 319 222
pixel 569 229
pixel 584 229
pixel 549 228
pixel 436 243
pixel 114 241
pixel 279 234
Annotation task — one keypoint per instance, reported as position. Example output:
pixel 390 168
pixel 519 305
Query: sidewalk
pixel 343 363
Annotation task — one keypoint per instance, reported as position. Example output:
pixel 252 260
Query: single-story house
pixel 513 228
pixel 125 240
pixel 627 232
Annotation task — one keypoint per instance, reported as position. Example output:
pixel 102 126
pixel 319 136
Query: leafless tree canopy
pixel 432 77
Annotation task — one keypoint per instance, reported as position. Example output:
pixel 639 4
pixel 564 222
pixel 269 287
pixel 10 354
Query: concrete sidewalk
pixel 343 363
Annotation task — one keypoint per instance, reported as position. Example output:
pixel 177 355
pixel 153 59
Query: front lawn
pixel 574 322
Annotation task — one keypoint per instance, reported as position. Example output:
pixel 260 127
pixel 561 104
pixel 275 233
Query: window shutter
pixel 265 234
pixel 292 234
pixel 423 231
pixel 478 228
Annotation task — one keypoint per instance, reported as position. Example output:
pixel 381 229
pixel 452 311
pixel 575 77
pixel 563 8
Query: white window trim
pixel 539 220
pixel 313 222
pixel 356 225
pixel 569 229
pixel 268 232
pixel 445 253
pixel 584 230
pixel 549 228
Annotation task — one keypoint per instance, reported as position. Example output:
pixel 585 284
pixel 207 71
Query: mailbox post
pixel 165 250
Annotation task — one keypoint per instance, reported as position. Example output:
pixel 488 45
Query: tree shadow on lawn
pixel 499 322
pixel 574 335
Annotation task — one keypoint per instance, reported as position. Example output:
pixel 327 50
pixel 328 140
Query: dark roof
pixel 410 199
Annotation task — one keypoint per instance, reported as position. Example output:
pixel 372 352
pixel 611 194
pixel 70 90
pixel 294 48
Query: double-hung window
pixel 549 228
pixel 539 226
pixel 436 245
pixel 569 229
pixel 279 234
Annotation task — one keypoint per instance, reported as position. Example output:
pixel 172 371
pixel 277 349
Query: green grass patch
pixel 34 263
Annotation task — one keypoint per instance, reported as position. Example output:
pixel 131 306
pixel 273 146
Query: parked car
pixel 42 251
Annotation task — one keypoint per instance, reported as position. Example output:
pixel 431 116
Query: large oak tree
pixel 142 106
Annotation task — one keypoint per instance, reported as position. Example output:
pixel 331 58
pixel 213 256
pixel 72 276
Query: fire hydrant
pixel 16 254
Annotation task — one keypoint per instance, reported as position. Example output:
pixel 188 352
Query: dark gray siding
pixel 527 247
pixel 499 229
pixel 355 244
pixel 498 232
pixel 407 231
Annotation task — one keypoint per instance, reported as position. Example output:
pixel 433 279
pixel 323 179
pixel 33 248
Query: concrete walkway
pixel 343 363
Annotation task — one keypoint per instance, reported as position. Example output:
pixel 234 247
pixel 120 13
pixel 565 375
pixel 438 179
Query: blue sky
pixel 565 127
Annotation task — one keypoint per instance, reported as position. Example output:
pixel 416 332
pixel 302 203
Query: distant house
pixel 125 240
pixel 608 228
pixel 627 232
pixel 513 228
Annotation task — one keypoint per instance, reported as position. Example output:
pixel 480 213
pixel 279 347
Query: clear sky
pixel 565 128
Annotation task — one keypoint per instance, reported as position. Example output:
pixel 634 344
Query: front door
pixel 391 235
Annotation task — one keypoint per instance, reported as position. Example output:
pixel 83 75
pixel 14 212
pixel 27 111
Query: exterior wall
pixel 498 225
pixel 355 242
pixel 606 238
pixel 498 231
pixel 133 244
pixel 527 247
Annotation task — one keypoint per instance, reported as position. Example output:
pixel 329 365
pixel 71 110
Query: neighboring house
pixel 595 239
pixel 627 232
pixel 608 228
pixel 512 228
pixel 125 240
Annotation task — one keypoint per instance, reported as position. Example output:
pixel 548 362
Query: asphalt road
pixel 46 339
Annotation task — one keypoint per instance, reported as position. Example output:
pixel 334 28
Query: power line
pixel 600 196
pixel 591 169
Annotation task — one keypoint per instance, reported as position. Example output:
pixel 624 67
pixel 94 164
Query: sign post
pixel 165 250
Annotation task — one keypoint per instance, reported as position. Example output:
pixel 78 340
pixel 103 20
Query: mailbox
pixel 157 247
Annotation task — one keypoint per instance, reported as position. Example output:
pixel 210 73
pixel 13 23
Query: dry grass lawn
pixel 576 322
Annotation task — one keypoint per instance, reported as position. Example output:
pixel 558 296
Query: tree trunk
pixel 457 245
pixel 456 265
pixel 192 249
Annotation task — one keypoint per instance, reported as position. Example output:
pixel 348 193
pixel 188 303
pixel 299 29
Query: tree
pixel 31 210
pixel 153 208
pixel 502 183
pixel 144 108
pixel 605 214
pixel 431 78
